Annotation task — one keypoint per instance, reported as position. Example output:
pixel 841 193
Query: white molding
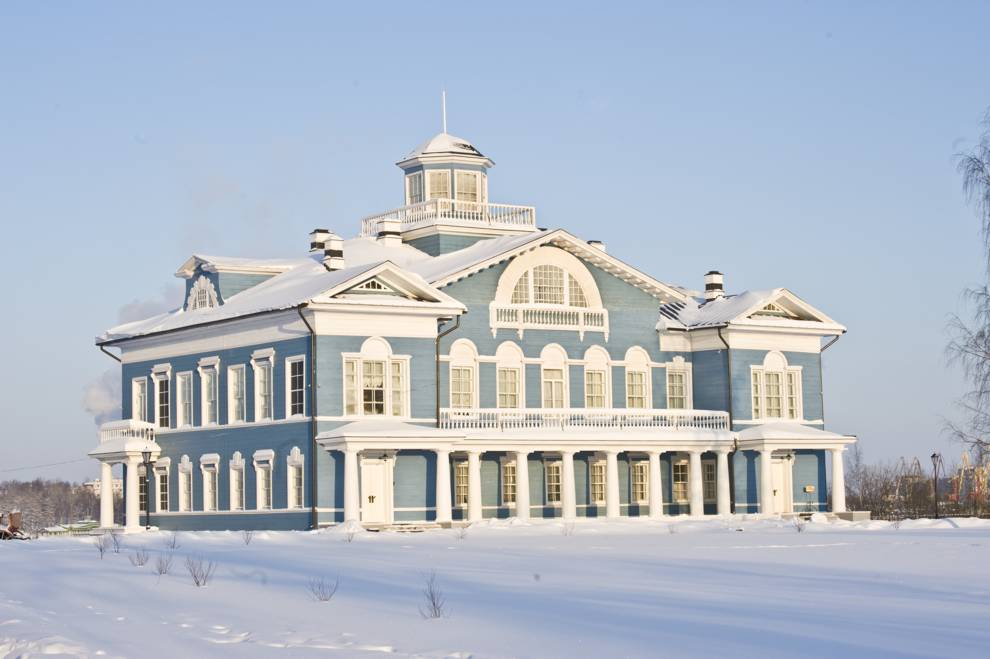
pixel 679 365
pixel 142 380
pixel 236 464
pixel 266 357
pixel 242 369
pixel 209 364
pixel 180 406
pixel 201 284
pixel 295 460
pixel 288 386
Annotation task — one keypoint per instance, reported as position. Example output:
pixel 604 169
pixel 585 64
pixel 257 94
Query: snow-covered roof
pixel 786 430
pixel 235 264
pixel 443 144
pixel 697 313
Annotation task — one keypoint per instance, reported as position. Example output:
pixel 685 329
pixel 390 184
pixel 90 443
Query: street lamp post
pixel 936 463
pixel 148 463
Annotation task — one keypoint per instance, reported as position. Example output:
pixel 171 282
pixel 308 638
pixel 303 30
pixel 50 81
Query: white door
pixel 374 502
pixel 783 497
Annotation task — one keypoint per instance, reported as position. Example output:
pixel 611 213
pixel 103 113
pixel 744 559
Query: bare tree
pixel 102 544
pixel 200 570
pixel 323 590
pixel 970 344
pixel 435 603
pixel 139 558
pixel 163 563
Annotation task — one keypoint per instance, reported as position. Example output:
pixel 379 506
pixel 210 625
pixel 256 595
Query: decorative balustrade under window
pixel 581 419
pixel 521 317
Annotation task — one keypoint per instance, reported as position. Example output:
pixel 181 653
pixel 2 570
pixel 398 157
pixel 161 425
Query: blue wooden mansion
pixel 455 362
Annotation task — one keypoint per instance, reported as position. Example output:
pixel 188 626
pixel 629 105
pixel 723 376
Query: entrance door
pixel 783 496
pixel 374 502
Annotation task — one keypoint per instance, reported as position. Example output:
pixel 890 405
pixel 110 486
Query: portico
pixel 124 442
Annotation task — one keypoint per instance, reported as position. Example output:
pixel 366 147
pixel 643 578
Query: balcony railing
pixel 581 419
pixel 127 429
pixel 450 211
pixel 521 317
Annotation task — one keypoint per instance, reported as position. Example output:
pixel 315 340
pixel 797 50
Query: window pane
pixel 508 387
pixel 640 485
pixel 594 388
pixel 792 395
pixel 264 394
pixel 553 482
pixel 462 387
pixel 636 389
pixel 520 294
pixel 598 482
pixel 184 382
pixel 467 186
pixel 373 388
pixel 163 403
pixel 548 284
pixel 577 298
pixel 553 387
pixel 773 394
pixel 460 483
pixel 415 187
pixel 508 483
pixel 439 184
pixel 163 491
pixel 350 387
pixel 680 481
pixel 297 388
pixel 757 394
pixel 398 389
pixel 708 480
pixel 676 390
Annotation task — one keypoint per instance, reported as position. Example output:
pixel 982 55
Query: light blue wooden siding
pixel 745 470
pixel 443 243
pixel 330 372
pixel 415 478
pixel 632 321
pixel 231 283
pixel 809 471
pixel 272 521
pixel 708 375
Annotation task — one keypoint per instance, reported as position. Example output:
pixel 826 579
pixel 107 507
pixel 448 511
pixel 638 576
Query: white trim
pixel 209 467
pixel 680 366
pixel 236 464
pixel 209 364
pixel 185 480
pixel 295 460
pixel 554 357
pixel 142 416
pixel 259 424
pixel 184 407
pixel 376 349
pixel 202 285
pixel 295 359
pixel 264 460
pixel 266 358
pixel 242 369
pixel 638 361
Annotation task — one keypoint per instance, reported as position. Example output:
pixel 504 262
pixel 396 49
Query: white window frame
pixel 186 494
pixel 414 181
pixel 597 469
pixel 142 489
pixel 500 391
pixel 462 486
pixel 646 388
pixel 791 388
pixel 183 404
pixel 467 173
pixel 428 190
pixel 202 295
pixel 163 373
pixel 236 467
pixel 639 477
pixel 376 349
pixel 295 478
pixel 683 466
pixel 709 486
pixel 565 376
pixel 679 366
pixel 508 481
pixel 264 461
pixel 289 362
pixel 139 398
pixel 162 470
pixel 234 372
pixel 209 467
pixel 594 372
pixel 262 360
pixel 209 365
pixel 471 380
pixel 553 466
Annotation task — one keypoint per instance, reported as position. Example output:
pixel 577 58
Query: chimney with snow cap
pixel 316 239
pixel 713 285
pixel 333 251
pixel 598 244
pixel 388 233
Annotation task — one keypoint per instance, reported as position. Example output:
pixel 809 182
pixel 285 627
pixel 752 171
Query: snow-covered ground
pixel 629 588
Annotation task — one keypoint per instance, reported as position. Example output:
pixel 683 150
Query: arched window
pixel 548 288
pixel 554 377
pixel 463 374
pixel 597 378
pixel 202 295
pixel 776 389
pixel 638 379
pixel 510 369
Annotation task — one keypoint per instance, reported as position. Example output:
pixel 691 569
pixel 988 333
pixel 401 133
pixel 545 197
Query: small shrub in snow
pixel 896 524
pixel 102 544
pixel 139 558
pixel 115 541
pixel 247 536
pixel 200 570
pixel 323 590
pixel 349 536
pixel 172 541
pixel 799 524
pixel 462 533
pixel 163 563
pixel 436 603
pixel 567 529
pixel 672 529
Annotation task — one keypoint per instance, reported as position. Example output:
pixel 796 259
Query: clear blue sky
pixel 805 145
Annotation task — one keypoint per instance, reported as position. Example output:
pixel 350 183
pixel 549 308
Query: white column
pixel 522 485
pixel 766 482
pixel 724 504
pixel 695 484
pixel 352 495
pixel 838 482
pixel 474 486
pixel 106 495
pixel 567 493
pixel 443 486
pixel 612 507
pixel 132 512
pixel 656 486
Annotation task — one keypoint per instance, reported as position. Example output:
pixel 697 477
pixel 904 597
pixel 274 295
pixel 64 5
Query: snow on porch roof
pixel 788 431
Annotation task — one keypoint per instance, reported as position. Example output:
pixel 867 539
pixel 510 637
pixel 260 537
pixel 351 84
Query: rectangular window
pixel 235 384
pixel 636 389
pixel 462 387
pixel 553 388
pixel 757 394
pixel 264 475
pixel 508 483
pixel 208 380
pixel 641 482
pixel 142 492
pixel 548 284
pixel 414 188
pixel 439 184
pixel 553 481
pixel 139 399
pixel 262 390
pixel 792 395
pixel 676 390
pixel 597 483
pixel 209 487
pixel 460 483
pixel 164 401
pixel 373 387
pixel 184 417
pixel 708 480
pixel 398 389
pixel 297 387
pixel 773 394
pixel 679 481
pixel 467 186
pixel 350 387
pixel 185 490
pixel 594 388
pixel 162 490
pixel 236 489
pixel 295 486
pixel 508 388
